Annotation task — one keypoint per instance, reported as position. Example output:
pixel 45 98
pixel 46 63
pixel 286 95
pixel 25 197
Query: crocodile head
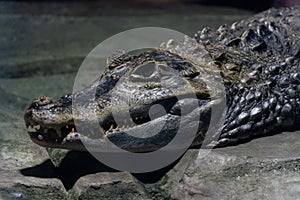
pixel 137 104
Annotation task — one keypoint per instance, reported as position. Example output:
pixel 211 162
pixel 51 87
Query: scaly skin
pixel 258 63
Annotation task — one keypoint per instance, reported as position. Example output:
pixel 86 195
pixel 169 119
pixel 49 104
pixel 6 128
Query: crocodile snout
pixel 40 101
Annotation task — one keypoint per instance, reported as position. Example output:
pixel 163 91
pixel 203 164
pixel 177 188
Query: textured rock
pixel 20 187
pixel 17 154
pixel 117 185
pixel 265 168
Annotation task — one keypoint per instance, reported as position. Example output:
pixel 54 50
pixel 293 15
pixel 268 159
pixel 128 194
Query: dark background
pixel 253 5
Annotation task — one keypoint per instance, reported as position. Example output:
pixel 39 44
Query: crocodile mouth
pixel 139 125
pixel 48 135
pixel 146 132
pixel 44 133
pixel 146 114
pixel 155 114
pixel 52 135
pixel 110 125
pixel 118 122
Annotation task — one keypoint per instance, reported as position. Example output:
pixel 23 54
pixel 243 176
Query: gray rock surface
pixel 265 168
pixel 109 185
pixel 41 48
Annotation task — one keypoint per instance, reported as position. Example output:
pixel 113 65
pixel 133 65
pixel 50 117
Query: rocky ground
pixel 41 48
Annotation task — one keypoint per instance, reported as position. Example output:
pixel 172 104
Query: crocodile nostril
pixel 41 101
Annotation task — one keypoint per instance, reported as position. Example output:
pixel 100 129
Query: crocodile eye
pixel 144 71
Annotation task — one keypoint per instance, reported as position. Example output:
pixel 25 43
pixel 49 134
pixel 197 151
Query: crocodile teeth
pixel 58 131
pixel 33 128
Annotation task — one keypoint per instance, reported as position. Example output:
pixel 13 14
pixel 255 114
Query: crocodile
pixel 256 60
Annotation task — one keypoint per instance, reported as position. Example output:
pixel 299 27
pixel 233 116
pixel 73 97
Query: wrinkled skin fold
pixel 256 60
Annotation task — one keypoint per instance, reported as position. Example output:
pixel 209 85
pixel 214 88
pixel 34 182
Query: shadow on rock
pixel 155 176
pixel 72 167
pixel 78 164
